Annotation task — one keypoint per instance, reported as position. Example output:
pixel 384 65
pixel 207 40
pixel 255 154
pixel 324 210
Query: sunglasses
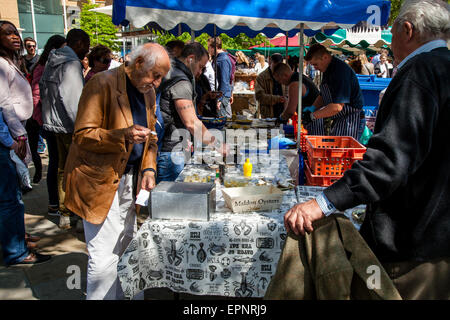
pixel 31 46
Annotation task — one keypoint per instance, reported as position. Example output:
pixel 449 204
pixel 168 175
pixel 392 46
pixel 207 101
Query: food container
pixel 182 200
pixel 254 198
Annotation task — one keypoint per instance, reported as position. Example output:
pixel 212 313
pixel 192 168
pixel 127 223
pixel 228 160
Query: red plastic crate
pixel 332 155
pixel 303 142
pixel 318 180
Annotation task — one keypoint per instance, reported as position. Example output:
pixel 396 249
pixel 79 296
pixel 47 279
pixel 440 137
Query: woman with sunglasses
pixel 16 106
pixel 99 60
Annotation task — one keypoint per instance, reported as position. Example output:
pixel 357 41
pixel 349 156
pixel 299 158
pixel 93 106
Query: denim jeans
pixel 167 169
pixel 12 223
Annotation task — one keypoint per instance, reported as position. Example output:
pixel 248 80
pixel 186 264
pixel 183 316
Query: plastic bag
pixel 22 171
pixel 280 142
pixel 365 136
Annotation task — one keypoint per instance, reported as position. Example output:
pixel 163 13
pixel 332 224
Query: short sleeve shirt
pixel 181 90
pixel 343 84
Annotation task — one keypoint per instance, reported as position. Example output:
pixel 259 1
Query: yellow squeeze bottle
pixel 248 168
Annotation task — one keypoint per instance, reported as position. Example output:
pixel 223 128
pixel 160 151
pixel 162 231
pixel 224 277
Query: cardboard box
pixel 255 198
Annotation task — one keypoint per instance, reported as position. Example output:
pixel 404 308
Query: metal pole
pixel 287 45
pixel 215 59
pixel 33 21
pixel 124 43
pixel 192 36
pixel 65 17
pixel 300 84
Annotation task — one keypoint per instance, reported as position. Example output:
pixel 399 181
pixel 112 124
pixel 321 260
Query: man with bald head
pixel 112 156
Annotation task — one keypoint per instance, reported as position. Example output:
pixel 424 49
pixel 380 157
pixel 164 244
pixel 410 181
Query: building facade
pixel 49 16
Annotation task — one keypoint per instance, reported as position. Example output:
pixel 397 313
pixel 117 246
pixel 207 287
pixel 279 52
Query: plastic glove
pixel 309 108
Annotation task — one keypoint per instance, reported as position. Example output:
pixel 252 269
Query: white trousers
pixel 106 242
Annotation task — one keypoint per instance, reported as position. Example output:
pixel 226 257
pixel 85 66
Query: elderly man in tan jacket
pixel 114 144
pixel 268 92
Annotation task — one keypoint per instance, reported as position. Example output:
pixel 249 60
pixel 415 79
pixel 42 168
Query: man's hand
pixel 300 217
pixel 148 180
pixel 231 99
pixel 282 99
pixel 136 134
pixel 218 105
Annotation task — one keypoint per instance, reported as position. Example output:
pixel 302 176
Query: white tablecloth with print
pixel 233 255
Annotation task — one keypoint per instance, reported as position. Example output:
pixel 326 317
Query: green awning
pixel 353 37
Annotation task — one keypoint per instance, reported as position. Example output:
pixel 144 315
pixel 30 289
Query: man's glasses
pixel 29 46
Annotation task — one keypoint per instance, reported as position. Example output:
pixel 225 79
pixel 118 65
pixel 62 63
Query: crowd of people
pixel 114 127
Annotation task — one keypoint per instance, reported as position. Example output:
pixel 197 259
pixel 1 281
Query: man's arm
pixel 292 103
pixel 186 110
pixel 223 77
pixel 266 98
pixel 89 133
pixel 329 110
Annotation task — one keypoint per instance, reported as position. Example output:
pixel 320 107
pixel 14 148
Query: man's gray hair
pixel 430 18
pixel 150 56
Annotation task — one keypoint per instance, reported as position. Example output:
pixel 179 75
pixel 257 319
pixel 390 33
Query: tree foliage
pixel 240 42
pixel 395 9
pixel 99 27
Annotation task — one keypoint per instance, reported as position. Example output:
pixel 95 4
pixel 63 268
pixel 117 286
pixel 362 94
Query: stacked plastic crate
pixel 328 157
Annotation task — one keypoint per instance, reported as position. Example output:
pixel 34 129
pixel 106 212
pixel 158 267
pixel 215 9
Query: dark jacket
pixel 224 69
pixel 172 120
pixel 331 263
pixel 404 176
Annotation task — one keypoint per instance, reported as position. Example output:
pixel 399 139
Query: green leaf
pixel 99 27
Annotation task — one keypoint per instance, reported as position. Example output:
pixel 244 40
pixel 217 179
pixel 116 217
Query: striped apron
pixel 348 122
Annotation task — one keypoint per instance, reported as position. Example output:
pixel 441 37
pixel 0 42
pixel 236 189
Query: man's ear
pixel 408 29
pixel 191 58
pixel 139 62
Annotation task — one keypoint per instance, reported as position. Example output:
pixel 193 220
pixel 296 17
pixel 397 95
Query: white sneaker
pixel 64 222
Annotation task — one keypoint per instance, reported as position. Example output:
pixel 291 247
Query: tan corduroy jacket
pixel 332 263
pixel 99 153
pixel 264 94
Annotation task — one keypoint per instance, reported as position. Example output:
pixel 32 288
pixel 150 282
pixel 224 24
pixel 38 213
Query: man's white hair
pixel 430 18
pixel 150 56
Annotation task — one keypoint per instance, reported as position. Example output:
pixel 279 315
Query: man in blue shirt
pixel 224 75
pixel 340 96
